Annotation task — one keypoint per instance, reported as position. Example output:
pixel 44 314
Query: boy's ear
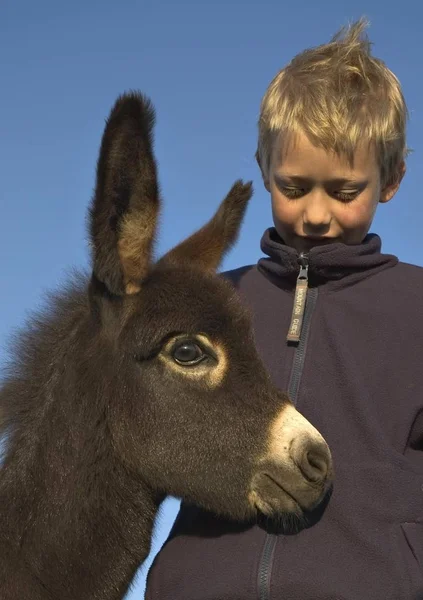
pixel 125 206
pixel 389 191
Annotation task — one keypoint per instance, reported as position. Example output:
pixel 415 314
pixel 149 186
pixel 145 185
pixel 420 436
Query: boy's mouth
pixel 318 240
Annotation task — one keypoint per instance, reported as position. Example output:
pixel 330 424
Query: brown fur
pixel 206 248
pixel 103 414
pixel 126 201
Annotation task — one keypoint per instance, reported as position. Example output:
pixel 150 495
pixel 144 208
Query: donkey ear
pixel 125 206
pixel 207 247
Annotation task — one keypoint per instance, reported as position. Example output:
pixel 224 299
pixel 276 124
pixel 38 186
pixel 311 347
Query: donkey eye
pixel 188 353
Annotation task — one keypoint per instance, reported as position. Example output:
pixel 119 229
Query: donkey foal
pixel 135 383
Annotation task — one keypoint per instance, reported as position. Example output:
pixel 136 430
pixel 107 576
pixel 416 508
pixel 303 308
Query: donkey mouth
pixel 273 499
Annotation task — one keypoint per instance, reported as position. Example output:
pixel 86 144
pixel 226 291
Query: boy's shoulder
pixel 407 274
pixel 237 274
pixel 411 269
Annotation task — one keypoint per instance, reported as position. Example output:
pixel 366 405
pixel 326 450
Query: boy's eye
pixel 347 196
pixel 293 192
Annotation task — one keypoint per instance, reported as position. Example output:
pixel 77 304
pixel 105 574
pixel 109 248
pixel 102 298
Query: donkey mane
pixel 33 345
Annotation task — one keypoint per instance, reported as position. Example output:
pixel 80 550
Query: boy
pixel 331 148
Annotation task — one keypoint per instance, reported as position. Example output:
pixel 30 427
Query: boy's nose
pixel 317 213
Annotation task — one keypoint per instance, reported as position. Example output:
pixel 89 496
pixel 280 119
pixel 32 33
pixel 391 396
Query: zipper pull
pixel 300 298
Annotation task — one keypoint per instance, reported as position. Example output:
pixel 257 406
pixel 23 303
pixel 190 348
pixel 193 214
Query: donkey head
pixel 191 408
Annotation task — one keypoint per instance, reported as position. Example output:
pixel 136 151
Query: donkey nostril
pixel 317 463
pixel 314 462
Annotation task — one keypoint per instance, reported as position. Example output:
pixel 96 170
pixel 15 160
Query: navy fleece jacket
pixel 357 375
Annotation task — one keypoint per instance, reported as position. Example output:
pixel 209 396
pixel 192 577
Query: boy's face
pixel 318 198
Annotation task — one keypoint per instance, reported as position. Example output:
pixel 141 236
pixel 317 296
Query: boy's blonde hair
pixel 338 94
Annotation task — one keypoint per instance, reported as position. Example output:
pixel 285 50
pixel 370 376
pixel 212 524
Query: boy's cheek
pixel 355 230
pixel 282 219
pixel 358 216
pixel 282 215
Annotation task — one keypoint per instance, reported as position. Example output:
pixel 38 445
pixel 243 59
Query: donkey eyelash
pixel 168 347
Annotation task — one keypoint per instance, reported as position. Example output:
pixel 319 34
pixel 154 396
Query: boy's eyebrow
pixel 307 180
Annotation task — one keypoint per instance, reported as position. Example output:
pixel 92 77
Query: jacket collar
pixel 326 264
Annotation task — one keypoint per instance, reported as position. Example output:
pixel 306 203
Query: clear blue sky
pixel 206 65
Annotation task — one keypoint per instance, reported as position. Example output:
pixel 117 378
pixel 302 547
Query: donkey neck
pixel 78 519
pixel 78 529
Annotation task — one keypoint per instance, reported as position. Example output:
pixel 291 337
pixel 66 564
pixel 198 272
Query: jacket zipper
pixel 300 351
pixel 304 304
pixel 300 299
